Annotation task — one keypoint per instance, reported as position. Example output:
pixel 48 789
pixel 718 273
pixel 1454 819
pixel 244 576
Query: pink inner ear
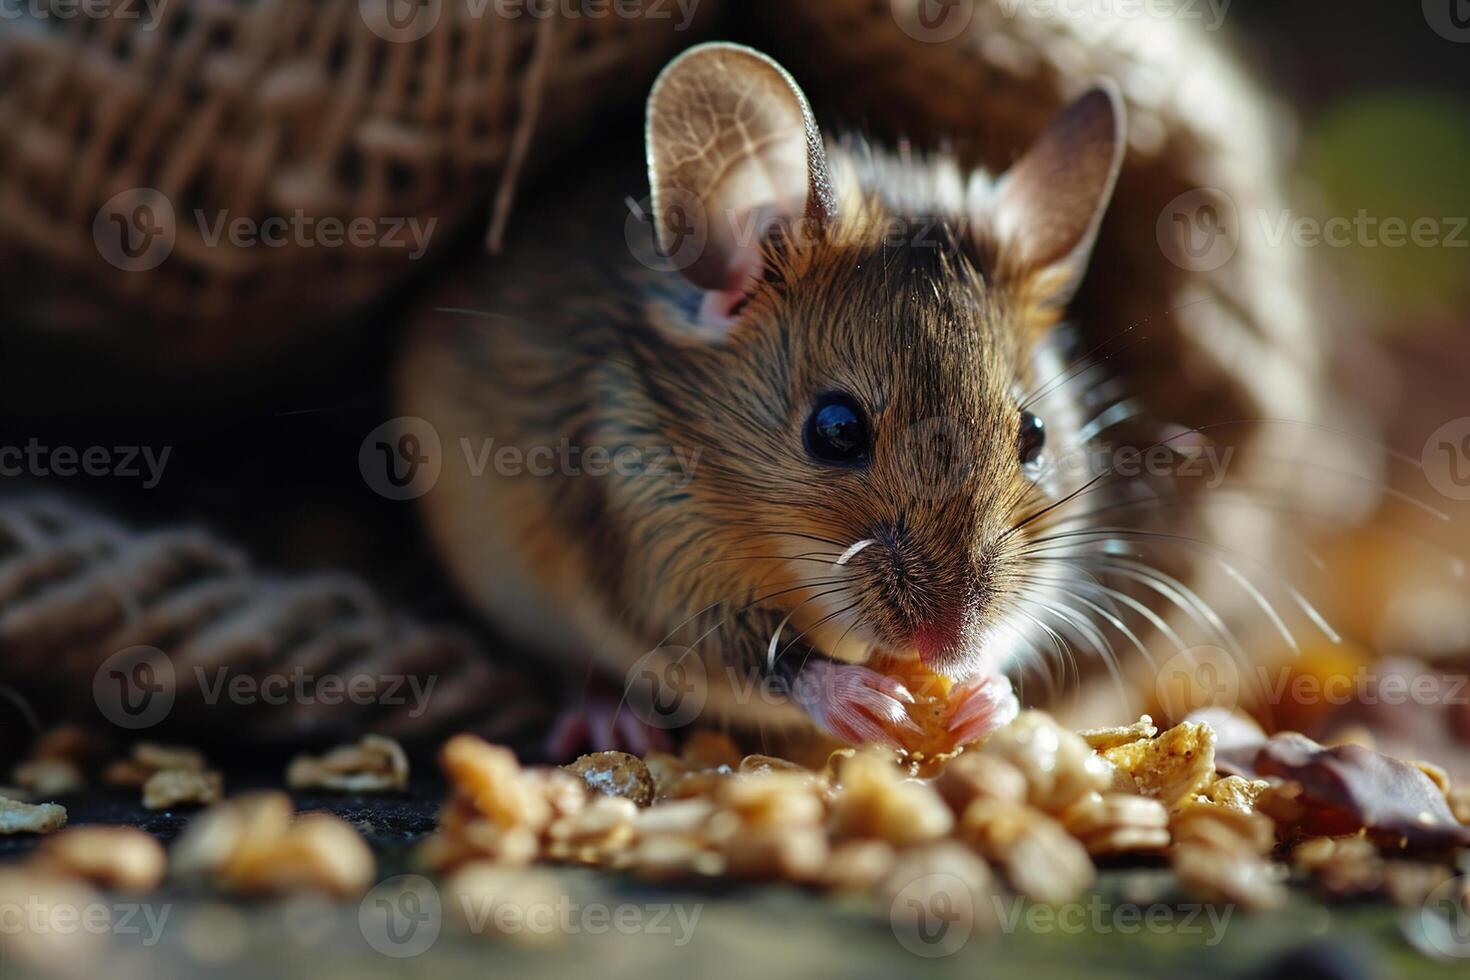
pixel 718 310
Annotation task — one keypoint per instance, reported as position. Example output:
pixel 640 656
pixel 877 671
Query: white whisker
pixel 852 552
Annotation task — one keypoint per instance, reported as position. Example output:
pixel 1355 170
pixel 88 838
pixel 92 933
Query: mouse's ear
pixel 731 137
pixel 1046 210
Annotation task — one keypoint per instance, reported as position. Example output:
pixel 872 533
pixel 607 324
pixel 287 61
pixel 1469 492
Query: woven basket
pixel 83 597
pixel 124 142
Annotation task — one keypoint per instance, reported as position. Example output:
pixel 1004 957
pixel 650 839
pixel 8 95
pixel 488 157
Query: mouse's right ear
pixel 732 138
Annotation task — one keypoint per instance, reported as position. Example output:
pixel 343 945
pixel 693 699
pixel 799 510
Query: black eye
pixel 837 432
pixel 1032 438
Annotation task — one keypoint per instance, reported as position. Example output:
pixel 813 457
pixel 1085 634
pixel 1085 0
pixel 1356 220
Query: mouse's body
pixel 813 445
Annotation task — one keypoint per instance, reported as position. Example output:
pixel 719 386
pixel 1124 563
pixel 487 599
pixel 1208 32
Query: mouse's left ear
pixel 1045 211
pixel 732 144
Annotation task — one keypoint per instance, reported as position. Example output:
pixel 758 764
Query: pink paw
pixel 982 704
pixel 602 725
pixel 854 703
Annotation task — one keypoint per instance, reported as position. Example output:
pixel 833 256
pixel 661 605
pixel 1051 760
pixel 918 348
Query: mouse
pixel 789 425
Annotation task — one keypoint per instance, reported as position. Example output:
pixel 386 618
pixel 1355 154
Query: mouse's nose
pixel 937 638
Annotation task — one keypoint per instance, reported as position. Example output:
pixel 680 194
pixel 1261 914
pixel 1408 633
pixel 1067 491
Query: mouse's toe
pixel 981 705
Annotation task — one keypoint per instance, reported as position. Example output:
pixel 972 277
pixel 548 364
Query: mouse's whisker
pixel 1176 593
pixel 1119 596
pixel 1083 624
pixel 1036 663
pixel 819 623
pixel 1066 655
pixel 1073 589
pixel 1170 588
pixel 1081 364
pixel 854 550
pixel 1216 553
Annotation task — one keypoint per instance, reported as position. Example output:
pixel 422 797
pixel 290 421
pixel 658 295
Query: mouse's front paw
pixel 980 706
pixel 854 703
pixel 600 723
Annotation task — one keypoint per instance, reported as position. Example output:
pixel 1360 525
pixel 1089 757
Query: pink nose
pixel 935 639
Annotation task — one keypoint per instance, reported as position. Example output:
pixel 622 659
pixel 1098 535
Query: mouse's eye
pixel 1031 440
pixel 837 431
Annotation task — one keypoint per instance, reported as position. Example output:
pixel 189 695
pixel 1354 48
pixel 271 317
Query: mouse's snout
pixel 929 596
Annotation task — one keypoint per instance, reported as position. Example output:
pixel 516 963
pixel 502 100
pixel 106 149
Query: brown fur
pixel 900 306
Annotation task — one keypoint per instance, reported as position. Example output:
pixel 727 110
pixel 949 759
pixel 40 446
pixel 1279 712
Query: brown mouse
pixel 812 435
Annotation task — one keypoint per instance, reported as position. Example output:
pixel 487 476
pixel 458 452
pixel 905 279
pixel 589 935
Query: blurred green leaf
pixel 1403 155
